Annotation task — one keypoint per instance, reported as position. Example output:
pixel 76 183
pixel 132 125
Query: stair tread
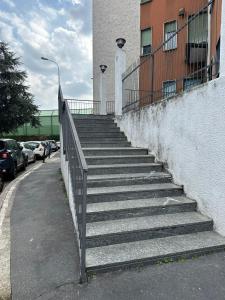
pixel 124 165
pixel 128 176
pixel 138 203
pixel 143 223
pixel 117 148
pixel 152 249
pixel 119 156
pixel 131 188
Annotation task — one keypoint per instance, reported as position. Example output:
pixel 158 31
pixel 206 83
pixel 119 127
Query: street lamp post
pixel 44 58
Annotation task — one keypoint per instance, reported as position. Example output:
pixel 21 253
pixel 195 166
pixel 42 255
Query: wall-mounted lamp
pixel 182 12
pixel 120 42
pixel 103 68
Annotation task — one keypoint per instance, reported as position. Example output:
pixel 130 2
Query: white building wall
pixel 111 20
pixel 188 133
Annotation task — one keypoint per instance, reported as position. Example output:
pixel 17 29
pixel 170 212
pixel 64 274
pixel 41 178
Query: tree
pixel 16 102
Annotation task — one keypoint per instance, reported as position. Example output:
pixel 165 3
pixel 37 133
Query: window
pixel 190 83
pixel 169 30
pixel 169 88
pixel 198 29
pixel 146 41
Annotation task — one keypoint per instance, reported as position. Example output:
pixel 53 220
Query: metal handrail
pixel 78 170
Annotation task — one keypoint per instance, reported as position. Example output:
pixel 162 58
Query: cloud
pixel 58 32
pixel 10 3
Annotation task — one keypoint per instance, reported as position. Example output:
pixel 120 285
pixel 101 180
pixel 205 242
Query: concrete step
pixel 105 144
pixel 122 159
pixel 119 193
pixel 124 168
pixel 92 117
pixel 114 151
pixel 98 127
pixel 96 121
pixel 93 129
pixel 103 139
pixel 105 211
pixel 153 251
pixel 142 228
pixel 128 179
pixel 101 134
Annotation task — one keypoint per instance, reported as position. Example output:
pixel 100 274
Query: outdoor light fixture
pixel 120 42
pixel 182 12
pixel 45 58
pixel 103 68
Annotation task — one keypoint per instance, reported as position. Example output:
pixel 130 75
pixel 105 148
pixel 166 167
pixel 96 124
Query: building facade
pixel 180 45
pixel 112 20
pixel 183 61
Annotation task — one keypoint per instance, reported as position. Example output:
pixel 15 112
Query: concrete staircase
pixel 135 214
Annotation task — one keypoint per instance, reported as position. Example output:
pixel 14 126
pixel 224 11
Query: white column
pixel 102 94
pixel 222 42
pixel 120 68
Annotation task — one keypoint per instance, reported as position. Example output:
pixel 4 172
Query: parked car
pixel 58 144
pixel 38 149
pixel 12 157
pixel 1 180
pixel 28 151
pixel 53 144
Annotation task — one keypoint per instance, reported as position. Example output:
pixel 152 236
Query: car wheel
pixel 23 168
pixel 14 172
pixel 1 183
pixel 35 158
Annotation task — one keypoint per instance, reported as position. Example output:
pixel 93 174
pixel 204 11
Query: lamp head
pixel 103 68
pixel 44 58
pixel 120 42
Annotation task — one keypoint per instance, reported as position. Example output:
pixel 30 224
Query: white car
pixel 28 151
pixel 37 148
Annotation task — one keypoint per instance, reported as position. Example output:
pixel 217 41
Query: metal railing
pixel 84 107
pixel 78 173
pixel 89 107
pixel 188 57
pixel 110 107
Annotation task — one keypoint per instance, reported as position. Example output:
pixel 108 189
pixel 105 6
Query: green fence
pixel 49 120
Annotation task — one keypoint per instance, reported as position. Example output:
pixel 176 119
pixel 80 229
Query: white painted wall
pixel 188 133
pixel 111 20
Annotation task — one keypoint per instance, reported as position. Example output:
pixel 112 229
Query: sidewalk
pixel 44 261
pixel 43 251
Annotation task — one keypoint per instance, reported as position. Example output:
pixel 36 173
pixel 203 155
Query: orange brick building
pixel 182 61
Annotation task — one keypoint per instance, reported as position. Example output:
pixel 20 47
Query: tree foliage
pixel 16 102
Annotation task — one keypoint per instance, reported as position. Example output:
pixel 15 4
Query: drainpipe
pixel 222 41
pixel 120 68
pixel 209 35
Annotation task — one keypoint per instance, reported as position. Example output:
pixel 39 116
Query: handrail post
pixel 83 276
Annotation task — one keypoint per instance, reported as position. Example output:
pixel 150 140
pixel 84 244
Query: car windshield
pixel 2 145
pixel 33 145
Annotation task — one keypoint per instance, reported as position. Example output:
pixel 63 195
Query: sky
pixel 56 29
